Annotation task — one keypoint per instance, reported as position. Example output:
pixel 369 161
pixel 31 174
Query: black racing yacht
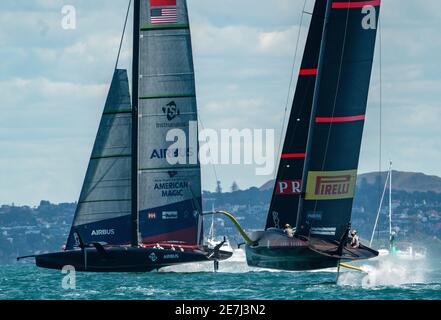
pixel 317 174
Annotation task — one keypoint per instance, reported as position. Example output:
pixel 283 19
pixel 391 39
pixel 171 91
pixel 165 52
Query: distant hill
pixel 407 181
pixel 402 181
pixel 417 215
pixel 267 186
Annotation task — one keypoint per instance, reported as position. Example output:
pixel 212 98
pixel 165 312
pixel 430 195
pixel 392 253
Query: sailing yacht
pixel 137 211
pixel 407 252
pixel 316 178
pixel 212 242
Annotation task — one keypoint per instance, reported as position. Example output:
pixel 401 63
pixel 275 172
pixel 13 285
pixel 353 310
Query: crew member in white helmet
pixel 355 242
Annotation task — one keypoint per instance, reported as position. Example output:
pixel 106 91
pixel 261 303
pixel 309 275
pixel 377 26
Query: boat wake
pixel 236 264
pixel 387 272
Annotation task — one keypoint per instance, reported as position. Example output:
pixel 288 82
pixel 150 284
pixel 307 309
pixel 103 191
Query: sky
pixel 53 85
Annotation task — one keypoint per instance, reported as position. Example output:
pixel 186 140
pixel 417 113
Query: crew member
pixel 355 241
pixel 288 230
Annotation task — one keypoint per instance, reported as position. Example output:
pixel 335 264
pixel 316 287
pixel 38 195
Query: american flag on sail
pixel 163 16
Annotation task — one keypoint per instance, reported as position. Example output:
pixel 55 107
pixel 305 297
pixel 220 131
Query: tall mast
pixel 135 100
pixel 211 233
pixel 286 193
pixel 390 198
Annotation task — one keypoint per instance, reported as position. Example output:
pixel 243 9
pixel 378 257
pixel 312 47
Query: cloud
pixel 54 83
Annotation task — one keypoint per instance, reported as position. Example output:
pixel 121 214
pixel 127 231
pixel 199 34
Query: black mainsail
pixel 140 208
pixel 338 118
pixel 317 174
pixel 287 191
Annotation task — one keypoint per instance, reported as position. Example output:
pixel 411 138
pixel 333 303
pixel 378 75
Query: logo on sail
pixel 103 232
pixel 160 15
pixel 289 187
pixel 171 110
pixel 331 185
pixel 152 215
pixel 171 153
pixel 169 215
pixel 172 188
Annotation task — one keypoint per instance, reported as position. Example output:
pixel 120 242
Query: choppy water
pixel 388 280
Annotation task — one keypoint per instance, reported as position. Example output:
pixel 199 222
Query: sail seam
pixel 168 74
pixel 169 169
pixel 116 112
pixel 109 157
pixel 116 200
pixel 168 96
pixel 165 27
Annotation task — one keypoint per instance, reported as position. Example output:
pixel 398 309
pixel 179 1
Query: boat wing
pixel 169 173
pixel 337 120
pixel 332 249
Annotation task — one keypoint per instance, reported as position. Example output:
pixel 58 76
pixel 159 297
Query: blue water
pixel 236 281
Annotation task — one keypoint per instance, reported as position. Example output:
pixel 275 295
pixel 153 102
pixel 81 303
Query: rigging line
pixel 381 105
pixel 116 66
pixel 209 150
pixel 279 149
pixel 122 36
pixel 301 111
pixel 379 211
pixel 380 113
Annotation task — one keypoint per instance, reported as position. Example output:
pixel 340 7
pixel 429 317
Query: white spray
pixel 389 272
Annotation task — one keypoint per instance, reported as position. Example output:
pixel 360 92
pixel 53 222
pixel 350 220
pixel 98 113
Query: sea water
pixel 387 279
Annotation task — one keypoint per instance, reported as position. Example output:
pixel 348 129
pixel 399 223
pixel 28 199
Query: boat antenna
pixel 380 38
pixel 209 149
pixel 388 178
pixel 123 33
pixel 390 199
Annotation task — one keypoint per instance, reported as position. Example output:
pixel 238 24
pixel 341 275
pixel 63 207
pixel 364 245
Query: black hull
pixel 122 259
pixel 289 259
pixel 275 250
